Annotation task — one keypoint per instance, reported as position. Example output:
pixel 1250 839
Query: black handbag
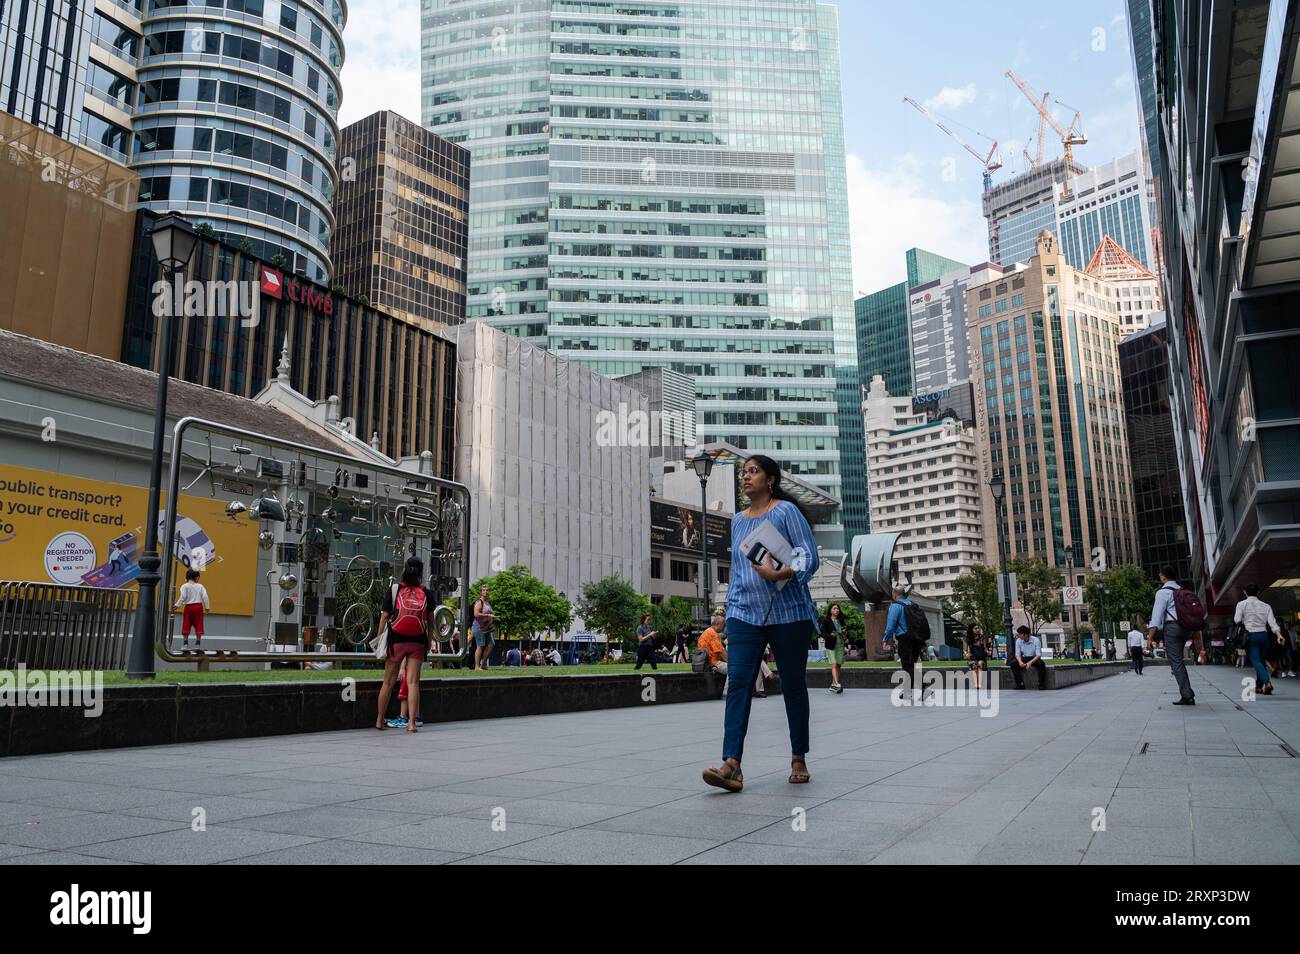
pixel 1240 636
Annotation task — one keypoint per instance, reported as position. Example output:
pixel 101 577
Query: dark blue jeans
pixel 745 642
pixel 1258 646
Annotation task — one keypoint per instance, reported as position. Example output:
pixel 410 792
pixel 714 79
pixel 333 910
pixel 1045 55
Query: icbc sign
pixel 273 285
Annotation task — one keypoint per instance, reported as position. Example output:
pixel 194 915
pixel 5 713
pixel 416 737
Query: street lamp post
pixel 998 488
pixel 702 464
pixel 173 243
pixel 1074 610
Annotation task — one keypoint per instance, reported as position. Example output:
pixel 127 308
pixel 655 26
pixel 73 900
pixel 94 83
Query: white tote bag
pixel 380 643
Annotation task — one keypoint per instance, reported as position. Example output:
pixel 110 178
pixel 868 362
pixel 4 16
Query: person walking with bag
pixel 1258 619
pixel 406 617
pixel 760 614
pixel 833 636
pixel 645 643
pixel 1176 613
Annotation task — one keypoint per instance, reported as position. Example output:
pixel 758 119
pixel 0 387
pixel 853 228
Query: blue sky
pixel 908 183
pixel 957 53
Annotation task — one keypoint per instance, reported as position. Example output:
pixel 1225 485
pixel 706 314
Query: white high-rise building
pixel 923 483
pixel 1109 199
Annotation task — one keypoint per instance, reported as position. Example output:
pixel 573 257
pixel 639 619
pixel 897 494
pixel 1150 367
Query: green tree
pixel 1129 593
pixel 523 605
pixel 665 617
pixel 975 599
pixel 613 606
pixel 1039 588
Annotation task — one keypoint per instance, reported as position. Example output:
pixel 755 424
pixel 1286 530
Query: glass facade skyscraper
pixel 655 186
pixel 227 109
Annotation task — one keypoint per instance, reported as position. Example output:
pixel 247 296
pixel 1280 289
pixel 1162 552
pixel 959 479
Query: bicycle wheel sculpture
pixel 358 621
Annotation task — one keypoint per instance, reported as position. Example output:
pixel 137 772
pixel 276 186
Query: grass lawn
pixel 185 676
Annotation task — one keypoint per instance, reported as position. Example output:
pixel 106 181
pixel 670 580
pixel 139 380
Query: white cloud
pixel 895 209
pixel 951 98
pixel 382 68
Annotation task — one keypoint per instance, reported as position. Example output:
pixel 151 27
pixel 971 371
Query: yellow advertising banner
pixel 79 532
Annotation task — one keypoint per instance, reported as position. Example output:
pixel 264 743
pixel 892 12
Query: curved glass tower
pixel 236 122
pixel 655 185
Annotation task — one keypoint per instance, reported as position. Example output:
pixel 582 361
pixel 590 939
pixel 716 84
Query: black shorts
pixel 978 654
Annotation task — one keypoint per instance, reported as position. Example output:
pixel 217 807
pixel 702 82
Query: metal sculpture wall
pixel 337 530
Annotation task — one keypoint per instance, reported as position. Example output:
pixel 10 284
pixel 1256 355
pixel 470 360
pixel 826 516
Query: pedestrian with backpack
pixel 1176 614
pixel 908 629
pixel 406 615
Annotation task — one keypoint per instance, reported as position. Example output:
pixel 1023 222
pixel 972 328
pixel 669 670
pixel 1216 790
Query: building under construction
pixel 1020 208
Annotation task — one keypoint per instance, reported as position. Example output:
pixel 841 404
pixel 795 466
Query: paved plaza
pixel 1210 784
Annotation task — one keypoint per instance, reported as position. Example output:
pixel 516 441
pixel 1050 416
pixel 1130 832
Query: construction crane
pixel 990 163
pixel 1074 136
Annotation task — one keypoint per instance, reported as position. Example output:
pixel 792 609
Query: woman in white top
pixel 1257 616
pixel 194 597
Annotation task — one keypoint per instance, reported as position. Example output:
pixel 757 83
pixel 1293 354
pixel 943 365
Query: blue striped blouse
pixel 748 594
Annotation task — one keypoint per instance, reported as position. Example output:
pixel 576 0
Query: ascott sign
pixel 273 284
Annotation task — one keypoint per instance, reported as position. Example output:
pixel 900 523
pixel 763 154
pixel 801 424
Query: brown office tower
pixel 1049 409
pixel 403 220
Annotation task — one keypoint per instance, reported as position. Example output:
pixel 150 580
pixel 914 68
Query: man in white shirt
pixel 1257 616
pixel 1136 642
pixel 1164 620
pixel 1029 654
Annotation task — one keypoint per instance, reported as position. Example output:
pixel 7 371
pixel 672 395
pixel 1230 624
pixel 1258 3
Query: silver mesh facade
pixel 550 490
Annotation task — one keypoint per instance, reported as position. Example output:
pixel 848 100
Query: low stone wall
pixel 162 714
pixel 1058 676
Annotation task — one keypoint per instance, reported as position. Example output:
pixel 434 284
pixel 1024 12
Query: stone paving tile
pixel 937 785
pixel 59 858
pixel 80 830
pixel 187 847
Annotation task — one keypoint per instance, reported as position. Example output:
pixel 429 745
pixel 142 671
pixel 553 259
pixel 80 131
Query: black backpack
pixel 918 627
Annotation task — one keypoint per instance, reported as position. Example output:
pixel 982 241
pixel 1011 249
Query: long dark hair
pixel 773 470
pixel 970 633
pixel 828 620
pixel 413 572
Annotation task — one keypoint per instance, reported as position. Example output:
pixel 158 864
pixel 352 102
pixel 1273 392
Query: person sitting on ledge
pixel 1029 653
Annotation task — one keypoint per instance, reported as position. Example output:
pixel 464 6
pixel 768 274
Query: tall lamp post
pixel 998 488
pixel 173 244
pixel 702 464
pixel 1069 581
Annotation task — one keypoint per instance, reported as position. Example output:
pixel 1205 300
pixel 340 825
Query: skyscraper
pixel 226 109
pixel 1019 209
pixel 925 484
pixel 1110 199
pixel 884 322
pixel 1157 493
pixel 1050 412
pixel 1231 274
pixel 651 188
pixel 940 341
pixel 403 216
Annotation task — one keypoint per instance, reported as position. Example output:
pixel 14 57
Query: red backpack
pixel 1188 610
pixel 412 610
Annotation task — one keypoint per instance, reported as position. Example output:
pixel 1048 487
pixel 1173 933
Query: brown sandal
pixel 798 777
pixel 731 781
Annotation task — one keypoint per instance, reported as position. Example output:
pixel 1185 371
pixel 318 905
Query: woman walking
pixel 681 652
pixel 645 643
pixel 406 614
pixel 759 614
pixel 833 636
pixel 977 651
pixel 482 629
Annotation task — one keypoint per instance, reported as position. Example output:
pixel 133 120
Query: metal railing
pixel 54 626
